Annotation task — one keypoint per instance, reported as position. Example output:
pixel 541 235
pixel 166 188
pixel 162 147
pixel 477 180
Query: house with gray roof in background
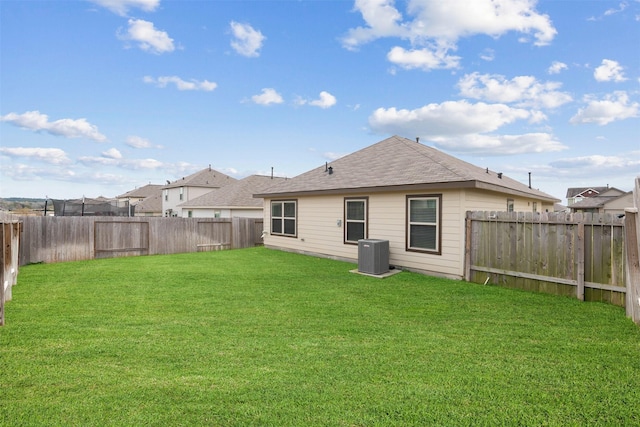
pixel 611 202
pixel 412 195
pixel 190 187
pixel 139 195
pixel 578 194
pixel 231 201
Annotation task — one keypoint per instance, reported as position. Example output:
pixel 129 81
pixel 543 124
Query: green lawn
pixel 261 337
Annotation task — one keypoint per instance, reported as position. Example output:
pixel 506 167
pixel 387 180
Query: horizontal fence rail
pixel 573 254
pixel 59 239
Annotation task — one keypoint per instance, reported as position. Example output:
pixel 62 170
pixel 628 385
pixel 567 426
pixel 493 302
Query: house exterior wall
pixel 171 198
pixel 320 227
pixel 617 206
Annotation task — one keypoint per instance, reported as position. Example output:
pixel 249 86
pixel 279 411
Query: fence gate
pixel 116 239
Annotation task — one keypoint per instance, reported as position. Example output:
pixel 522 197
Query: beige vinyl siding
pixel 319 233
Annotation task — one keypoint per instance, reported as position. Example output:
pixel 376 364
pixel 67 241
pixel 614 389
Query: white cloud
pixel 622 6
pixel 447 118
pixel 53 156
pixel 326 100
pixel 609 71
pixel 465 127
pixel 112 153
pixel 425 59
pixel 488 55
pixel 121 7
pixel 556 67
pixel 69 128
pixel 139 142
pixel 180 84
pixel 247 41
pixel 522 90
pixel 600 162
pixel 612 107
pixel 130 164
pixel 500 144
pixel 267 97
pixel 446 22
pixel 148 37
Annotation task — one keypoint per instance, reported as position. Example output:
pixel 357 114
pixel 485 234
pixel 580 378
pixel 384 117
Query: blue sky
pixel 100 97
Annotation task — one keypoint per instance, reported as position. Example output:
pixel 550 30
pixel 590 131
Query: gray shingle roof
pixel 210 178
pixel 150 204
pixel 398 162
pixel 237 194
pixel 145 191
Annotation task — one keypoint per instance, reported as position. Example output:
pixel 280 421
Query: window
pixel 355 220
pixel 166 195
pixel 283 218
pixel 423 223
pixel 190 214
pixel 510 205
pixel 181 193
pixel 535 206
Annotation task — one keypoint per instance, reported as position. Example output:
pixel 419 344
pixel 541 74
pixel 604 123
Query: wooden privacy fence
pixel 578 254
pixel 10 237
pixel 58 239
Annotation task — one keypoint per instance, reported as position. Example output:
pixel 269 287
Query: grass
pixel 260 337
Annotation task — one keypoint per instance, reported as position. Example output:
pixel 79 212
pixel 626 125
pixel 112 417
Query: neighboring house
pixel 609 202
pixel 398 190
pixel 188 188
pixel 231 201
pixel 135 197
pixel 151 206
pixel 577 194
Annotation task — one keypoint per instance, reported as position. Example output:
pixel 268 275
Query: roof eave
pixel 409 187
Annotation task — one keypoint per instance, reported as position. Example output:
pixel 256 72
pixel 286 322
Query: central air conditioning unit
pixel 373 256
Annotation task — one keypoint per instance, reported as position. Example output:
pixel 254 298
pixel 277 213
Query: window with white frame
pixel 510 205
pixel 283 217
pixel 355 219
pixel 423 223
pixel 181 193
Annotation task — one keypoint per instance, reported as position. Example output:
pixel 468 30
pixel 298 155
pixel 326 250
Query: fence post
pixel 467 247
pixel 580 254
pixel 632 264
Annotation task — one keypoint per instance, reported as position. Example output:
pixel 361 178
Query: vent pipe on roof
pixel 529 179
pixel 209 167
pixel 500 175
pixel 271 172
pixel 418 139
pixel 326 164
pixel 330 170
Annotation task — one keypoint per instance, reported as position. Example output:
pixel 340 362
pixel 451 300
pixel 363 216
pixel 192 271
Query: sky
pixel 100 97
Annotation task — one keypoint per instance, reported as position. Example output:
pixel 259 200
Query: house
pixel 609 202
pixel 150 206
pixel 138 195
pixel 577 194
pixel 190 187
pixel 231 201
pixel 399 190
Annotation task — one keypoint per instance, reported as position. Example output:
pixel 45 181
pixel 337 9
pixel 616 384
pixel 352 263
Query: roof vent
pixel 418 139
pixel 330 170
pixel 500 175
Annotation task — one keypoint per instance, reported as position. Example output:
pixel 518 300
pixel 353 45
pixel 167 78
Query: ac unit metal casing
pixel 373 256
